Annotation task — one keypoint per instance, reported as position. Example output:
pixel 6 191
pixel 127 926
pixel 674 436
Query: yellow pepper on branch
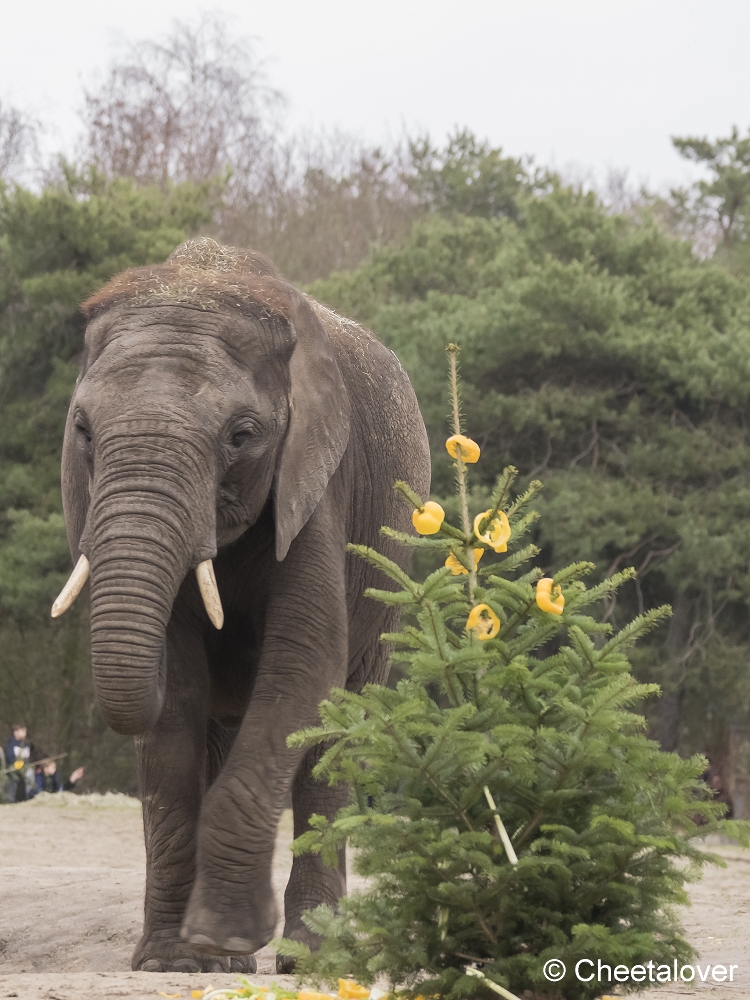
pixel 544 598
pixel 459 444
pixel 428 518
pixel 457 568
pixel 497 532
pixel 483 622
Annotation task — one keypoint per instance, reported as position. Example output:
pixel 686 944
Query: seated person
pixel 20 754
pixel 48 780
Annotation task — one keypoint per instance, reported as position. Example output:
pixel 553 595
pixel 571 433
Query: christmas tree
pixel 507 808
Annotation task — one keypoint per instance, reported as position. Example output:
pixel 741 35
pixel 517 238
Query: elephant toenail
pixel 248 964
pixel 202 943
pixel 152 965
pixel 186 965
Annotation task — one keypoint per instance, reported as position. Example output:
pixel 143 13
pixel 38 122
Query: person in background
pixel 712 777
pixel 48 780
pixel 21 754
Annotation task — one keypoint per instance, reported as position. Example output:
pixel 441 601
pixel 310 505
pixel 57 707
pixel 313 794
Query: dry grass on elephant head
pixel 203 274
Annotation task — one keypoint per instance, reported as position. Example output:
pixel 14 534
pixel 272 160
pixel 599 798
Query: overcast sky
pixel 582 85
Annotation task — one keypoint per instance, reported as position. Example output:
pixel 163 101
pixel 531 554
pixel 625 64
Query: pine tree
pixel 507 808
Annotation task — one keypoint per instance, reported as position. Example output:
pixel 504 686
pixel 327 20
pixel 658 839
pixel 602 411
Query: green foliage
pixel 538 723
pixel 602 354
pixel 467 177
pixel 56 248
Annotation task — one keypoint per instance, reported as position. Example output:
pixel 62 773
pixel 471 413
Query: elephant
pixel 226 438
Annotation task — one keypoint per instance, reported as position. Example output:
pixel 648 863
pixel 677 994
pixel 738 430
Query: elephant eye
pixel 84 432
pixel 241 437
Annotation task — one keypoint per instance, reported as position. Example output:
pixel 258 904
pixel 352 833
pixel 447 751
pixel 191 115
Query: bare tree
pixel 618 194
pixel 323 202
pixel 687 217
pixel 18 142
pixel 187 108
pixel 196 105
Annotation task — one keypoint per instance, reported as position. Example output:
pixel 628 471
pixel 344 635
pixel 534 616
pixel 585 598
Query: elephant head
pixel 207 384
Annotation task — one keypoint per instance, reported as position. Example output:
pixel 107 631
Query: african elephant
pixel 225 423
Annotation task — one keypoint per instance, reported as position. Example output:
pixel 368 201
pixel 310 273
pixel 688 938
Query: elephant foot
pixel 161 956
pixel 296 931
pixel 239 933
pixel 285 965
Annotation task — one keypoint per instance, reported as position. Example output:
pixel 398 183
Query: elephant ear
pixel 318 429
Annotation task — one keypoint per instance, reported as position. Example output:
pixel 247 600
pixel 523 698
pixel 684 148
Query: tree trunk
pixel 670 703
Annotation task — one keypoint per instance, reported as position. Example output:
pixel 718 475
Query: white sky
pixel 582 85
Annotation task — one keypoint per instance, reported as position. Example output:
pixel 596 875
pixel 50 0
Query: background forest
pixel 606 340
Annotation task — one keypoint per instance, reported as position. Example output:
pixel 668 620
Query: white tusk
pixel 72 588
pixel 210 592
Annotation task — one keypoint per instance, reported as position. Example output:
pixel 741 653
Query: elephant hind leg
pixel 371 663
pixel 311 882
pixel 219 741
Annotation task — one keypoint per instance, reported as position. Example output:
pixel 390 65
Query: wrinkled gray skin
pixel 267 445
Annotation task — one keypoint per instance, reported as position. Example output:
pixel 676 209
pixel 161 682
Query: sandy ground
pixel 71 887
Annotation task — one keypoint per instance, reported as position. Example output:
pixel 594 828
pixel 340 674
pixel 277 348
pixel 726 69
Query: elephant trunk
pixel 143 536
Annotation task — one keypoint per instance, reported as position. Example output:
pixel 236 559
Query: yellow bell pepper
pixel 311 995
pixel 483 622
pixel 544 599
pixel 427 521
pixel 349 990
pixel 457 568
pixel 468 449
pixel 497 533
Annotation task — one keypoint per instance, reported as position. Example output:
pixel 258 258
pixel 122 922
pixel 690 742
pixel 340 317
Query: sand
pixel 71 885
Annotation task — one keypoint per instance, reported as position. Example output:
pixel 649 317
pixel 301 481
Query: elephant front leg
pixel 169 764
pixel 232 908
pixel 172 769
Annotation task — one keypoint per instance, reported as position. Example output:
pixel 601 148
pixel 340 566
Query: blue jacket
pixel 51 783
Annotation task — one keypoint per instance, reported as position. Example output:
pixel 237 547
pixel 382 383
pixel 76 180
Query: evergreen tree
pixel 507 807
pixel 467 177
pixel 606 357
